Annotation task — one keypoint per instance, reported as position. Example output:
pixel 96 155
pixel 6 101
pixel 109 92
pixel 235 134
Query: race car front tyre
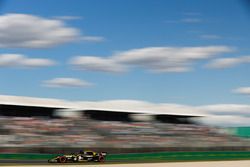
pixel 75 159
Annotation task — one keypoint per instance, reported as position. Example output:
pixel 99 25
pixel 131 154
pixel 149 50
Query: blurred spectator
pixel 85 132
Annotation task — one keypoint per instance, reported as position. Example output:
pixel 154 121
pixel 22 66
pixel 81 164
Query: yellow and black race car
pixel 82 156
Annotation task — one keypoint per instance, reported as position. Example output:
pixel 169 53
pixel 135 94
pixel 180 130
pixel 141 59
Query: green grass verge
pixel 180 156
pixel 27 156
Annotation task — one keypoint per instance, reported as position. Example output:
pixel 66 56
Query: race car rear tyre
pixel 101 159
pixel 62 159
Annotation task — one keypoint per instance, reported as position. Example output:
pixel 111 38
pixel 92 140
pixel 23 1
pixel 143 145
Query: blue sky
pixel 192 52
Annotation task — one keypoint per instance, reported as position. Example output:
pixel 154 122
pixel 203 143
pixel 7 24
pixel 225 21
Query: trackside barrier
pixel 158 156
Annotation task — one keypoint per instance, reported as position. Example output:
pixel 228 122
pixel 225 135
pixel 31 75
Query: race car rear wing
pixel 104 153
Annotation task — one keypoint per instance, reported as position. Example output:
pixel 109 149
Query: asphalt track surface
pixel 44 162
pixel 10 162
pixel 242 163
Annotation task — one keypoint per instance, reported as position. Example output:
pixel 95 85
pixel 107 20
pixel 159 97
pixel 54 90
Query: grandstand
pixel 51 125
pixel 54 108
pixel 50 112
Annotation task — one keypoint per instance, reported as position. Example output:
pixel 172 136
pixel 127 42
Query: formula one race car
pixel 82 156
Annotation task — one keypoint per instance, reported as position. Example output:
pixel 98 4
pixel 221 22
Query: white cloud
pixel 68 17
pixel 165 59
pixel 226 109
pixel 7 60
pixel 242 90
pixel 96 64
pixel 210 36
pixel 93 38
pixel 35 62
pixel 154 59
pixel 228 62
pixel 21 61
pixel 66 82
pixel 29 31
pixel 226 114
pixel 225 121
